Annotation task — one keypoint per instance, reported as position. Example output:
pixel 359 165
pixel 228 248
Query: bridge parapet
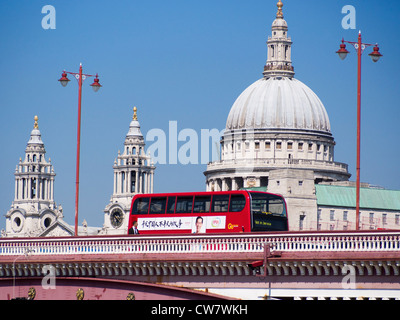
pixel 364 241
pixel 215 261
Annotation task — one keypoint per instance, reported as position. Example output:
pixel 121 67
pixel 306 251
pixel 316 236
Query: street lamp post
pixel 375 55
pixel 95 86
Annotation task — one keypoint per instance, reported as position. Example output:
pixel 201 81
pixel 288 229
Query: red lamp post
pixel 375 55
pixel 95 86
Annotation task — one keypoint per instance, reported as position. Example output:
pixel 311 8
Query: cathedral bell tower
pixel 133 173
pixel 33 212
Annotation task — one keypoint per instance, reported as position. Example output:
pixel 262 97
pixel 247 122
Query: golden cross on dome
pixel 279 14
pixel 134 113
pixel 36 126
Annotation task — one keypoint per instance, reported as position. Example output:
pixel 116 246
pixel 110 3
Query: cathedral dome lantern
pixel 279 48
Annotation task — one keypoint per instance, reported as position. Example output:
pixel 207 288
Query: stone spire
pixel 279 62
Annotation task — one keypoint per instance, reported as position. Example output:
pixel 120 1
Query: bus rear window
pixel 140 206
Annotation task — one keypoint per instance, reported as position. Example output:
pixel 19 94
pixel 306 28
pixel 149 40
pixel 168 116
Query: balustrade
pixel 240 243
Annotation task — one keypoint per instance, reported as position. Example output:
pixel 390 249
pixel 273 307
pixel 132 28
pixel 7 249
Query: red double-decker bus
pixel 208 212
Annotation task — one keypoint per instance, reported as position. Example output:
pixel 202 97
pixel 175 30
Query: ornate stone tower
pixel 133 173
pixel 34 212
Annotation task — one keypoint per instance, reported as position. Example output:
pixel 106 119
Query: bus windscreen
pixel 268 212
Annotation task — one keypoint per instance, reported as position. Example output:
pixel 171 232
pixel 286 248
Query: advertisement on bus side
pixel 196 224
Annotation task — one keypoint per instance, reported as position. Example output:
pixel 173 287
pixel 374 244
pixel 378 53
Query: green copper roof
pixel 370 198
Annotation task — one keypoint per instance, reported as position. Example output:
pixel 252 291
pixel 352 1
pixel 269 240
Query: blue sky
pixel 184 61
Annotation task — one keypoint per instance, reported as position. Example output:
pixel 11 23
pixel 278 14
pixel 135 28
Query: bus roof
pixel 195 193
pixel 202 193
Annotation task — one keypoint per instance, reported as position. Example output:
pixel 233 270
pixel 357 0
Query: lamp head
pixel 375 55
pixel 64 80
pixel 342 52
pixel 96 85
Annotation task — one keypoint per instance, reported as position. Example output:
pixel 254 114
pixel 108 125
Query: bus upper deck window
pixel 202 204
pixel 238 202
pixel 157 205
pixel 184 205
pixel 220 203
pixel 140 206
pixel 171 204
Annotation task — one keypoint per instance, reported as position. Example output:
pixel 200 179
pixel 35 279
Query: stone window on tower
pixel 33 188
pixel 238 146
pixel 290 145
pixel 122 181
pixel 267 145
pixel 133 181
pixel 310 147
pixel 23 188
pixel 47 222
pixel 43 188
pixel 279 145
pixel 257 145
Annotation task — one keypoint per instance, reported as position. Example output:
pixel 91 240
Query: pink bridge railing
pixel 364 241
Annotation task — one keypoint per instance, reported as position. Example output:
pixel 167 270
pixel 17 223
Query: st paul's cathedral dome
pixel 278 135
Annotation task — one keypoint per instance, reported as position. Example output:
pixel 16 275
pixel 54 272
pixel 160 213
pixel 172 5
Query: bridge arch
pixel 69 288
